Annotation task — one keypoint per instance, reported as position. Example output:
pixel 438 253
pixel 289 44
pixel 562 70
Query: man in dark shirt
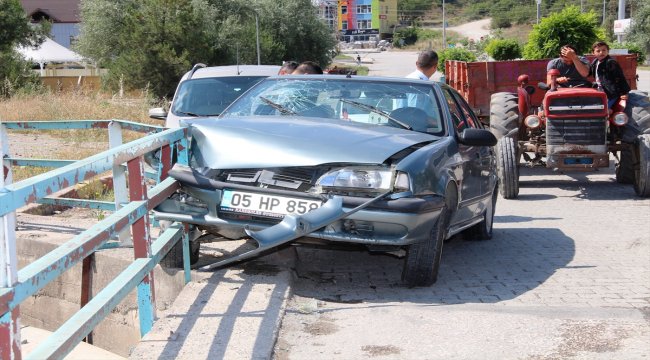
pixel 573 68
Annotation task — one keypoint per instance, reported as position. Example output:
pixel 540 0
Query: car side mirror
pixel 477 137
pixel 158 113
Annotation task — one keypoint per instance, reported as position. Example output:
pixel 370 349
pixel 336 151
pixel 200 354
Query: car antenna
pixel 194 68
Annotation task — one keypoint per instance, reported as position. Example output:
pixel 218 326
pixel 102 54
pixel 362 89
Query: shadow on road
pixel 514 262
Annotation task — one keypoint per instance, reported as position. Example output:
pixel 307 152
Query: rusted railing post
pixel 10 321
pixel 142 244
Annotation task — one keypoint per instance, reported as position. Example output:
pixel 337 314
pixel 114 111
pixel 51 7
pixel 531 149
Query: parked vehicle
pixel 206 91
pixel 568 129
pixel 393 164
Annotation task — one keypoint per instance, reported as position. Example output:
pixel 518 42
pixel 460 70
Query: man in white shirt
pixel 425 65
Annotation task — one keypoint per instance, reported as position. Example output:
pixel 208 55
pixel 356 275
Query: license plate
pixel 265 205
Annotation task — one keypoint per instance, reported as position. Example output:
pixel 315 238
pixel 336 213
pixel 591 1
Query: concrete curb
pixel 233 313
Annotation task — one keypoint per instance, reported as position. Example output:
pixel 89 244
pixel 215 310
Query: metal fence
pixel 131 210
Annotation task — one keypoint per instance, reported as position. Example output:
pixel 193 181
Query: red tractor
pixel 568 129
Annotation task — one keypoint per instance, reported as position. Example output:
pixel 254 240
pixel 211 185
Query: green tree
pixel 454 54
pixel 151 43
pixel 503 49
pixel 640 30
pixel 570 26
pixel 16 31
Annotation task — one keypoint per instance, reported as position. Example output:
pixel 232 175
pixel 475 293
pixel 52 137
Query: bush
pixel 570 26
pixel 405 36
pixel 500 21
pixel 454 54
pixel 633 48
pixel 503 49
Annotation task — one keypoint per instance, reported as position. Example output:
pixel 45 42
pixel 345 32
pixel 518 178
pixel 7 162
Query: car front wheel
pixel 423 258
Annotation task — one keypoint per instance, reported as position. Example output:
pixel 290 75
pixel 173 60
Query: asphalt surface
pixel 566 276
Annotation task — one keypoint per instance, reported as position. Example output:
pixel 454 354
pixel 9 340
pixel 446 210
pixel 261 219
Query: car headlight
pixel 359 178
pixel 532 121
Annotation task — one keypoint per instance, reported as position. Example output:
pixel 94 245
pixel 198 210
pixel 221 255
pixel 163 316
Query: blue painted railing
pixel 18 285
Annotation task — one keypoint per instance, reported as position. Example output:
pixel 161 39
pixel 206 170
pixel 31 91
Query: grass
pixel 70 144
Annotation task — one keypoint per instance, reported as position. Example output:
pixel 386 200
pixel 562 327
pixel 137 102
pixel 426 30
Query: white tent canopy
pixel 49 52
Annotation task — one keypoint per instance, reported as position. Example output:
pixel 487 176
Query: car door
pixel 469 173
pixel 486 164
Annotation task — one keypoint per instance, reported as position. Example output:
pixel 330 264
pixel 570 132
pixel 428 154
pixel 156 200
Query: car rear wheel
pixel 508 168
pixel 483 230
pixel 642 167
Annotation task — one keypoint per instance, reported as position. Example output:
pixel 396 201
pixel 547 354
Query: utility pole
pixel 621 16
pixel 539 4
pixel 444 27
pixel 604 11
pixel 257 36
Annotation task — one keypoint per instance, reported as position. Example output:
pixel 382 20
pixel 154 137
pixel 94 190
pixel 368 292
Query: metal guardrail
pixel 132 211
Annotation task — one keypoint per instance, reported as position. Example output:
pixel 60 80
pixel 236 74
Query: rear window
pixel 209 96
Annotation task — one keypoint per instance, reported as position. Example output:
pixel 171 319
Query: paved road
pixel 567 275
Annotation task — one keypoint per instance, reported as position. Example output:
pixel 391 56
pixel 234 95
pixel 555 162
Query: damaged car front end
pixel 332 159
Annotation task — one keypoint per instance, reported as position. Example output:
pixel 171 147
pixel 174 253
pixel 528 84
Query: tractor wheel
pixel 504 115
pixel 642 168
pixel 638 111
pixel 625 167
pixel 508 168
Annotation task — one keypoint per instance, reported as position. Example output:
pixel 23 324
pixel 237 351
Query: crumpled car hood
pixel 262 142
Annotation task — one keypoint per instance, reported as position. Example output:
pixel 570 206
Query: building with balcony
pixel 364 20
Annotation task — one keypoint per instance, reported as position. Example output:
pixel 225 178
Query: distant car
pixel 206 91
pixel 389 163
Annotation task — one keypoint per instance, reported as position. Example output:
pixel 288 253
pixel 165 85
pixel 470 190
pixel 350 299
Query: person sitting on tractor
pixel 608 74
pixel 573 68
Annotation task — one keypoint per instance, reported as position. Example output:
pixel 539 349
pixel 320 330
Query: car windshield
pixel 209 96
pixel 402 104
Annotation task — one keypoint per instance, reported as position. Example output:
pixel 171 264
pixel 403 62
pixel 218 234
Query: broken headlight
pixel 358 178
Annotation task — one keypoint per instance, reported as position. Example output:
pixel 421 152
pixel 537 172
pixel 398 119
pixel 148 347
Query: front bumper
pixel 383 220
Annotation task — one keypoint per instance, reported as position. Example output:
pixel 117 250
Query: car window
pixel 467 111
pixel 210 96
pixel 457 114
pixel 410 105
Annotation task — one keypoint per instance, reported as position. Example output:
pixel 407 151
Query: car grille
pixel 300 179
pixel 576 131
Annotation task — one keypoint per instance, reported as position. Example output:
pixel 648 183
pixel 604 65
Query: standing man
pixel 573 68
pixel 426 65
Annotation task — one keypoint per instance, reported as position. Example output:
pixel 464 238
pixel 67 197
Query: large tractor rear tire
pixel 508 168
pixel 638 111
pixel 642 168
pixel 504 115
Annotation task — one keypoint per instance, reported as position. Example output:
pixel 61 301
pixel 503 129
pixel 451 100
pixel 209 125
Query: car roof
pixel 234 70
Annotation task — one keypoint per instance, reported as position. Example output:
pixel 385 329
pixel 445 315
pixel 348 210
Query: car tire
pixel 642 167
pixel 625 166
pixel 508 168
pixel 174 258
pixel 504 115
pixel 422 260
pixel 483 230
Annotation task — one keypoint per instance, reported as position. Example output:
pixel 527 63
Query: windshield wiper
pixel 283 110
pixel 377 111
pixel 187 113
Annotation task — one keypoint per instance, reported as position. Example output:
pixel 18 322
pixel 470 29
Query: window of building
pixel 344 9
pixel 344 25
pixel 364 9
pixel 364 24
